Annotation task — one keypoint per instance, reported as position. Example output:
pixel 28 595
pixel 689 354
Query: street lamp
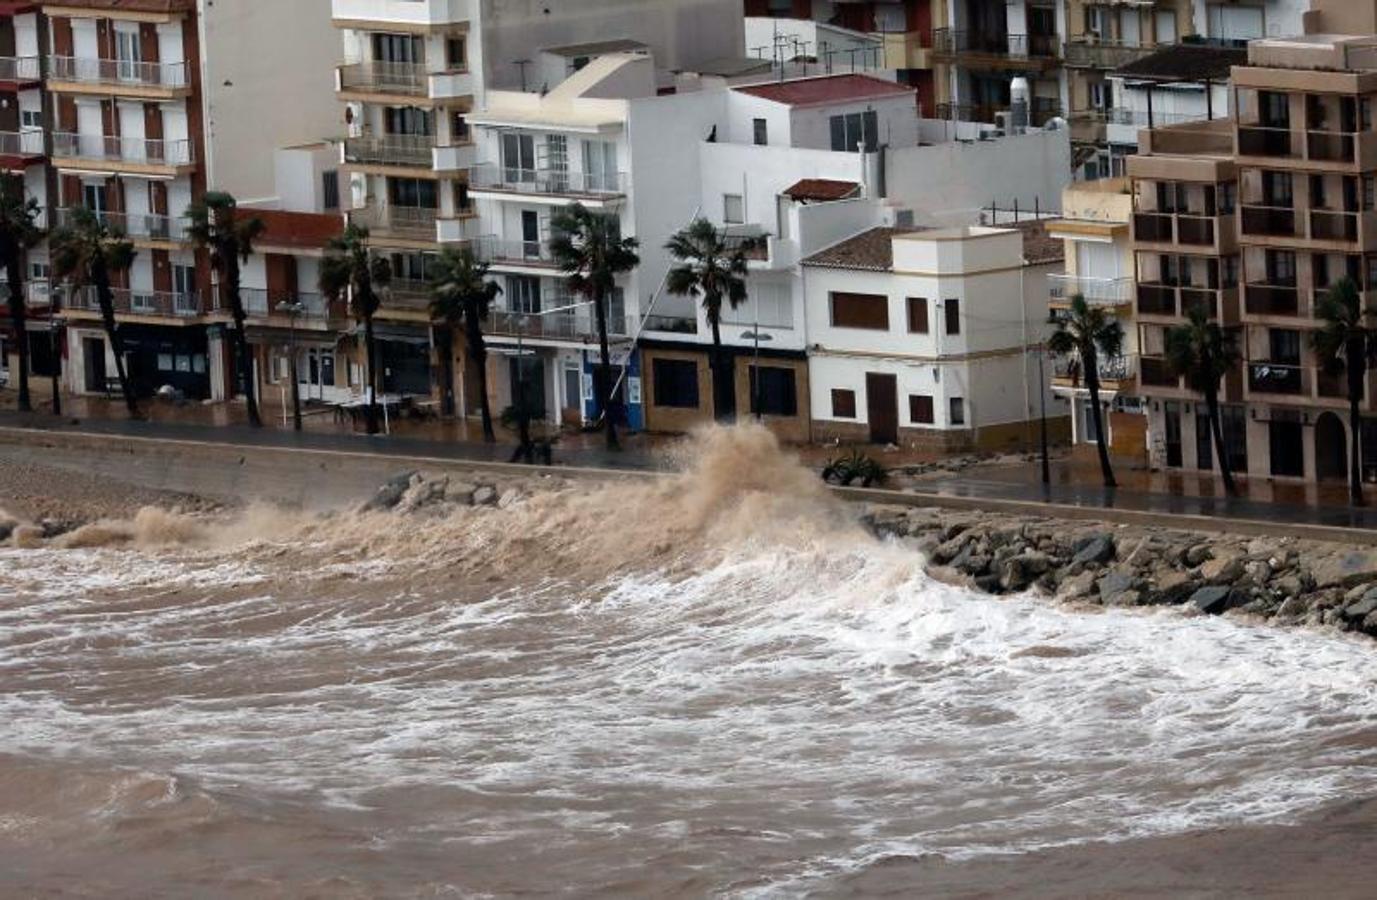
pixel 757 335
pixel 55 324
pixel 292 309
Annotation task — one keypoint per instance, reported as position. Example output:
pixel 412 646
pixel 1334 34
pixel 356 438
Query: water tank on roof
pixel 1019 99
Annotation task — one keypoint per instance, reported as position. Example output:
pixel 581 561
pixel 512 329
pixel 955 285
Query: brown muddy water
pixel 717 684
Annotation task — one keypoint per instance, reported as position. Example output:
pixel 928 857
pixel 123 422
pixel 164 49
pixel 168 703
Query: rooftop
pixel 822 190
pixel 870 251
pixel 1039 246
pixel 295 230
pixel 1186 62
pixel 828 89
pixel 733 66
pixel 598 48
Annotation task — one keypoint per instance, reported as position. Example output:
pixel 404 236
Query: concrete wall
pixel 761 174
pixel 1281 18
pixel 950 183
pixel 268 77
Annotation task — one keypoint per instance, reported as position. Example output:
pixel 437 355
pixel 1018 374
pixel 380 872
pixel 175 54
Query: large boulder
pixel 485 495
pixel 1095 549
pixel 1225 567
pixel 1078 586
pixel 1345 569
pixel 1117 582
pixel 1362 607
pixel 1213 599
pixel 1172 587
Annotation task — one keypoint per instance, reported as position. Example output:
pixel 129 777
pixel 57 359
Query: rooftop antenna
pixel 522 64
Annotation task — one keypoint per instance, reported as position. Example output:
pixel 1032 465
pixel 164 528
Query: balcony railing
pixel 1154 227
pixel 1328 225
pixel 261 302
pixel 135 225
pixel 1276 378
pixel 1070 368
pixel 1196 231
pixel 19 68
pixel 574 326
pixel 1156 299
pixel 526 253
pixel 123 149
pixel 410 79
pixel 1329 146
pixel 1155 372
pixel 128 73
pixel 1096 291
pixel 1274 221
pixel 1096 54
pixel 392 149
pixel 414 221
pixel 956 41
pixel 1275 142
pixel 21 143
pixel 671 324
pixel 546 181
pixel 1271 300
pixel 173 304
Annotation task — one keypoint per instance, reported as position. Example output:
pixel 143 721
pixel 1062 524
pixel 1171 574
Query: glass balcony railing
pixel 122 72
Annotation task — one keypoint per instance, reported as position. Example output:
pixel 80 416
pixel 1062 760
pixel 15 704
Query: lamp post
pixel 757 336
pixel 55 324
pixel 1042 400
pixel 293 308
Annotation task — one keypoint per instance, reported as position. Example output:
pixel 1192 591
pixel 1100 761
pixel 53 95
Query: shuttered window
pixel 920 409
pixel 917 315
pixel 843 404
pixel 860 311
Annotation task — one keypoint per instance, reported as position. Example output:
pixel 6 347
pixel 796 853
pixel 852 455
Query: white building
pixel 928 338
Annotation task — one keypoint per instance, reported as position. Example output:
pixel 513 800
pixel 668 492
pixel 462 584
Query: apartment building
pixel 928 338
pixel 143 107
pixel 1095 226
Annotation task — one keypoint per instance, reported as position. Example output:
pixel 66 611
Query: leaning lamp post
pixel 292 309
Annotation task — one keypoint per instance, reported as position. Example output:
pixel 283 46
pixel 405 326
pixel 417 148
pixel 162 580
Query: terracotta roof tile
pixel 822 189
pixel 306 231
pixel 827 89
pixel 870 250
pixel 1038 245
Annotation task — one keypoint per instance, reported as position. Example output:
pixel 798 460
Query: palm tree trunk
pixel 369 350
pixel 1356 367
pixel 241 343
pixel 1220 451
pixel 605 372
pixel 21 336
pixel 106 298
pixel 478 352
pixel 719 381
pixel 1092 381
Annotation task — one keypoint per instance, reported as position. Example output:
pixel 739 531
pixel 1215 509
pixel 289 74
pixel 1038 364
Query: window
pixel 93 196
pixel 676 383
pixel 951 315
pixel 459 128
pixel 128 52
pixel 399 48
pixel 958 411
pixel 600 165
pixel 917 315
pixel 1276 189
pixel 518 157
pixel 762 132
pixel 869 311
pixel 31 119
pixel 843 404
pixel 412 192
pixel 733 209
pixel 855 131
pixel 329 190
pixel 523 294
pixel 456 53
pixel 407 120
pixel 776 391
pixel 1285 346
pixel 462 202
pixel 920 409
pixel 1281 267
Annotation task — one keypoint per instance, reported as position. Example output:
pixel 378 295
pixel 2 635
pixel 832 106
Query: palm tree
pixel 217 228
pixel 1202 353
pixel 86 252
pixel 591 251
pixel 1087 333
pixel 462 297
pixel 349 270
pixel 18 232
pixel 710 267
pixel 1347 341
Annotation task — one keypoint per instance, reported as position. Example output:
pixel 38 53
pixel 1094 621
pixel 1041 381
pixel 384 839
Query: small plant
pixel 847 470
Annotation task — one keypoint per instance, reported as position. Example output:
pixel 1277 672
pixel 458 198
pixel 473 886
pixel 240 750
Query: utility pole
pixel 1042 400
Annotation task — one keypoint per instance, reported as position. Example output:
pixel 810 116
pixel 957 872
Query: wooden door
pixel 882 407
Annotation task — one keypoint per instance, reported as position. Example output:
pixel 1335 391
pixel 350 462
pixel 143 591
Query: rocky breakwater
pixel 1284 580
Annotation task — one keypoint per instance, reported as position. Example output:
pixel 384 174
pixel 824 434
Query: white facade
pixel 1248 20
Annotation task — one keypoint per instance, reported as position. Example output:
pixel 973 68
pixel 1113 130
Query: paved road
pixel 975 488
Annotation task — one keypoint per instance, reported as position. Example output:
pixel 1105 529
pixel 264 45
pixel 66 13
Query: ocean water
pixel 717 684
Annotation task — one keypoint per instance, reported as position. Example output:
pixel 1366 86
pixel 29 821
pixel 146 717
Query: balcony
pixel 167 304
pixel 1329 225
pixel 415 223
pixel 1156 299
pixel 577 326
pixel 409 150
pixel 1096 291
pixel 136 226
pixel 20 70
pixel 20 148
pixel 502 253
pixel 1271 300
pixel 1096 54
pixel 1155 372
pixel 126 75
pixel 263 303
pixel 671 324
pixel 394 79
pixel 1195 231
pixel 1283 379
pixel 1067 371
pixel 1266 142
pixel 1269 221
pixel 1153 228
pixel 139 152
pixel 1330 146
pixel 428 13
pixel 547 183
pixel 975 46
